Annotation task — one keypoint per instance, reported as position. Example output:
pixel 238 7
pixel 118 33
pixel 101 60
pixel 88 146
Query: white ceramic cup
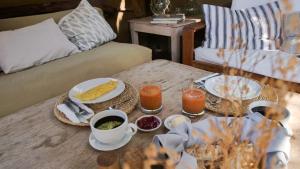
pixel 114 135
pixel 285 113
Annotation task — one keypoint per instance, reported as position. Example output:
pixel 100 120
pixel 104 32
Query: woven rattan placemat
pixel 126 102
pixel 226 107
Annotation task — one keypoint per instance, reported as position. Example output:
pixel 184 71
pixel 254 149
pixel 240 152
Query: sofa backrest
pixel 20 22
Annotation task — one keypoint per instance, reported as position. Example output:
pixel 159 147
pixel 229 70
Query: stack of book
pixel 168 19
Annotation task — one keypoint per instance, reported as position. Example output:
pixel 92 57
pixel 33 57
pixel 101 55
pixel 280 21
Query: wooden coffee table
pixel 34 138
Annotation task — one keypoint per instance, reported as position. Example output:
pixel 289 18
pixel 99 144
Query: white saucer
pixel 169 119
pixel 108 147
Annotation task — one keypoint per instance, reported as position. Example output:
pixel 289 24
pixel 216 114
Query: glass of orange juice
pixel 151 99
pixel 193 101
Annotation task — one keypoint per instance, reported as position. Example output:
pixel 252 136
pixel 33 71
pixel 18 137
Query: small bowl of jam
pixel 148 123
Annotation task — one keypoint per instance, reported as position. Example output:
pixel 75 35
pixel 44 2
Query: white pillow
pixel 85 27
pixel 33 45
pixel 242 4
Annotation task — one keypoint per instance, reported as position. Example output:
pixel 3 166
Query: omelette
pixel 97 91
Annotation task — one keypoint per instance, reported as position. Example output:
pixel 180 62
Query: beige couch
pixel 30 86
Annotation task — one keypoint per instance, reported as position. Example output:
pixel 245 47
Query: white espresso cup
pixel 116 134
pixel 283 118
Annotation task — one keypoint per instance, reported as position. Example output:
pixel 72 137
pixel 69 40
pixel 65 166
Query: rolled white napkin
pixel 68 113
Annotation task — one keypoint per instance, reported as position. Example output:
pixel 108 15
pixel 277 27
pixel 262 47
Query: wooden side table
pixel 172 30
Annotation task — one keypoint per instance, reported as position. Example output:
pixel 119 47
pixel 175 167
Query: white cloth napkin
pixel 181 137
pixel 68 113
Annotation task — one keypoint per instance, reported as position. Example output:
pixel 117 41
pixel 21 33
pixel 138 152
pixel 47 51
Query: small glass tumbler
pixel 193 101
pixel 151 99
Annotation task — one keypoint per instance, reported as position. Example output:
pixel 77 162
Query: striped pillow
pixel 252 28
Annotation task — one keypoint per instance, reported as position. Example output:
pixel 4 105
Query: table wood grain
pixel 34 139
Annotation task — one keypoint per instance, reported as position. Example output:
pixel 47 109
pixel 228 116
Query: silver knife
pixel 76 107
pixel 77 111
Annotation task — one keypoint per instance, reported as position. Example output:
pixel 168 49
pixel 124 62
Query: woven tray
pixel 226 107
pixel 126 102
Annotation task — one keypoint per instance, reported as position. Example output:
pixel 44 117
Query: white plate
pixel 108 147
pixel 215 86
pixel 86 85
pixel 169 119
pixel 145 130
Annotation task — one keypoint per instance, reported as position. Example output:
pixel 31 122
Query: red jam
pixel 148 123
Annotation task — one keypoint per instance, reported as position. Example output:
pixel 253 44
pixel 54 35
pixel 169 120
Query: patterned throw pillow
pixel 252 28
pixel 85 27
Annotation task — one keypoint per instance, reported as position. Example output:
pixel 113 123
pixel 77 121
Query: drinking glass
pixel 150 99
pixel 193 101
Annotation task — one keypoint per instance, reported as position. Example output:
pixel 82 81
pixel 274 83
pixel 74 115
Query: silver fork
pixel 201 82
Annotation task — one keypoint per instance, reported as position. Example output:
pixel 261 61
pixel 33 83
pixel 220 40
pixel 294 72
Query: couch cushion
pixel 85 27
pixel 257 61
pixel 33 85
pixel 33 45
pixel 286 6
pixel 291 33
pixel 20 22
pixel 258 27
